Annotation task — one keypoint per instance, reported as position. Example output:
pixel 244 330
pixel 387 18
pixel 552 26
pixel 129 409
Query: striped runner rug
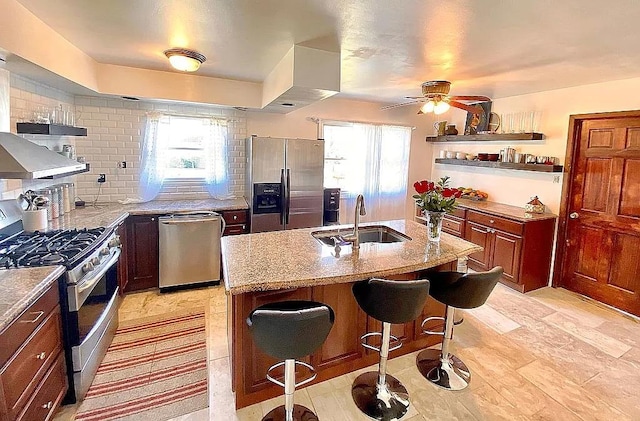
pixel 155 369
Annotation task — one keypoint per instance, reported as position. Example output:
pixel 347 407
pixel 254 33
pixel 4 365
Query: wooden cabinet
pixel 32 378
pixel 523 249
pixel 123 266
pixel 142 252
pixel 237 222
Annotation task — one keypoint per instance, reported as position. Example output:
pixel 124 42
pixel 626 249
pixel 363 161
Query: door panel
pixel 506 253
pixel 602 257
pixel 479 235
pixel 596 184
pixel 267 159
pixel 630 193
pixel 305 162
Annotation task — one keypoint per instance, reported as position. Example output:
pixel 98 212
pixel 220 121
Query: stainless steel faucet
pixel 360 210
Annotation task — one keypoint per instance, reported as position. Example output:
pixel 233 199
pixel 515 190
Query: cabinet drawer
pixel 13 337
pixel 23 372
pixel 235 229
pixel 496 222
pixel 49 394
pixel 235 217
pixel 453 225
pixel 459 213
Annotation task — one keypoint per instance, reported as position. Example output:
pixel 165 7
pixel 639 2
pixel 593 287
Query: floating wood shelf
pixel 51 177
pixel 501 165
pixel 489 137
pixel 50 129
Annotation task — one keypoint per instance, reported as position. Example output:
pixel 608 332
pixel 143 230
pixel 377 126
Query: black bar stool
pixel 455 290
pixel 288 330
pixel 378 394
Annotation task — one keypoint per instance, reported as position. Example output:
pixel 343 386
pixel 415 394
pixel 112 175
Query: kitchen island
pixel 292 265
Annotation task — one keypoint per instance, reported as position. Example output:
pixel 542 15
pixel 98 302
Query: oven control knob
pixel 114 242
pixel 87 267
pixel 95 261
pixel 105 251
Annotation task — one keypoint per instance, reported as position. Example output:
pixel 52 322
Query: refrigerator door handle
pixel 288 195
pixel 283 198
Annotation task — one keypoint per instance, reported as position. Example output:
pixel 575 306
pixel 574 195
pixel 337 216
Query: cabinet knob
pixel 41 356
pixel 235 217
pixel 491 221
pixel 574 215
pixel 48 405
pixel 153 219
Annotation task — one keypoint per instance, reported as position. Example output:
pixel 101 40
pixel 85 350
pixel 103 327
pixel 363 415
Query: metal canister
pixel 66 207
pixel 55 200
pixel 48 193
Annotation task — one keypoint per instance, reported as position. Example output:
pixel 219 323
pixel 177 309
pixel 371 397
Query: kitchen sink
pixel 367 234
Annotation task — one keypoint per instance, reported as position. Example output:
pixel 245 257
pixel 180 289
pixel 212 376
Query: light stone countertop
pixel 21 288
pixel 507 211
pixel 293 258
pixel 111 214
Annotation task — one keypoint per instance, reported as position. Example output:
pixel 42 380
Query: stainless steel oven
pixel 92 318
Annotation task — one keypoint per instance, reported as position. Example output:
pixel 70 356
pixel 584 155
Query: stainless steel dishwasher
pixel 190 248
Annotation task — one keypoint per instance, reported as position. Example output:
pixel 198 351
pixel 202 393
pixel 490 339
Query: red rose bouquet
pixel 436 197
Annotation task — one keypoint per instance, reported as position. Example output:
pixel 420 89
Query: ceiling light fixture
pixel 441 107
pixel 436 106
pixel 185 60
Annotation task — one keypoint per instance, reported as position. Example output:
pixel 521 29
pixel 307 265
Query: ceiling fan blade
pixel 469 98
pixel 416 97
pixel 475 109
pixel 389 107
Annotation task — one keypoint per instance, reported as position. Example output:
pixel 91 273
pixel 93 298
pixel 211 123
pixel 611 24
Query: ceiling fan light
pixel 441 107
pixel 428 107
pixel 185 60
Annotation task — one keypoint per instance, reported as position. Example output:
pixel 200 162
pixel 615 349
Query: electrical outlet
pixel 102 178
pixel 556 179
pixel 122 164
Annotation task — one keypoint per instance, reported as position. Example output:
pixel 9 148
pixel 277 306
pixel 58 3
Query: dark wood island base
pixel 340 354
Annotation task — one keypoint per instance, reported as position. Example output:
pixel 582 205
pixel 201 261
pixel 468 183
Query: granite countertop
pixel 293 258
pixel 111 214
pixel 21 288
pixel 507 211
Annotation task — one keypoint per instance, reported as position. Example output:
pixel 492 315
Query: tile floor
pixel 546 355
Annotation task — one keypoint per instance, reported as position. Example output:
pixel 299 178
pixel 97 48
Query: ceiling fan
pixel 435 95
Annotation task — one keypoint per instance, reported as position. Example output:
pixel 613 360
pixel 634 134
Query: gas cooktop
pixel 59 247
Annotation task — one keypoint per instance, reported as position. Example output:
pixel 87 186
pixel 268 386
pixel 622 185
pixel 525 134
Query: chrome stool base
pixel 300 413
pixel 386 403
pixel 450 374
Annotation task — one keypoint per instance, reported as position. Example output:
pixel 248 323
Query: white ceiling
pixel 496 48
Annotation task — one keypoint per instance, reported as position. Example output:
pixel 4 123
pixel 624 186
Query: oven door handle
pixel 94 280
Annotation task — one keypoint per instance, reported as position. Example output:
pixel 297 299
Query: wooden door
pixel 602 254
pixel 142 252
pixel 480 235
pixel 506 253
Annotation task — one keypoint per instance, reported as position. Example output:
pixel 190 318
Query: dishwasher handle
pixel 194 217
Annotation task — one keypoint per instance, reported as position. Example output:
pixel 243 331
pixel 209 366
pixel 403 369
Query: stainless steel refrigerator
pixel 284 183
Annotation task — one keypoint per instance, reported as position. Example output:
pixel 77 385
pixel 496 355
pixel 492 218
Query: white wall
pixel 555 107
pixel 114 133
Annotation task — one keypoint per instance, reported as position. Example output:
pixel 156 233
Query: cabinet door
pixel 343 342
pixel 142 250
pixel 480 235
pixel 506 253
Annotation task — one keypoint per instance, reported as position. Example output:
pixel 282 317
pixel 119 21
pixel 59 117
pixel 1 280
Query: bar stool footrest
pixel 431 332
pixel 375 348
pixel 313 376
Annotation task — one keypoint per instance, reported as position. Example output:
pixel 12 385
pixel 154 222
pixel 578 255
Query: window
pixel 187 142
pixel 367 159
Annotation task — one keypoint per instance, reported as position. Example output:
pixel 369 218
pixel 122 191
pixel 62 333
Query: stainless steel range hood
pixel 20 158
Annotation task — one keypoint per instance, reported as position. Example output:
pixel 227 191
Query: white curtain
pixel 152 159
pixel 216 161
pixel 375 163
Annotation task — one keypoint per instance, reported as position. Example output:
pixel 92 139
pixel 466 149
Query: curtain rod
pixel 318 120
pixel 175 114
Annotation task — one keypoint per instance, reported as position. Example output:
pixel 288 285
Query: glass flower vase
pixel 434 225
